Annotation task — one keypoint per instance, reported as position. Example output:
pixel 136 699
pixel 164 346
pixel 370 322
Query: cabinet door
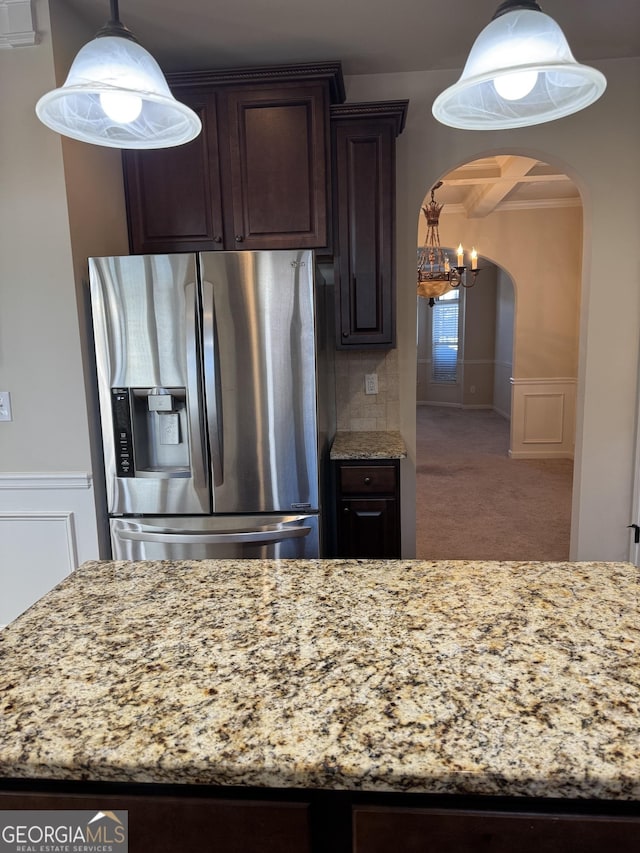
pixel 378 830
pixel 173 194
pixel 278 143
pixel 367 528
pixel 365 179
pixel 168 824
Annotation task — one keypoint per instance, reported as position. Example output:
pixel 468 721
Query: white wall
pixel 40 362
pixel 47 472
pixel 541 249
pixel 503 358
pixel 597 148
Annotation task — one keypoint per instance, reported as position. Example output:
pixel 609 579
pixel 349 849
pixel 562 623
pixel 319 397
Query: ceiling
pixel 376 37
pixel 367 36
pixel 478 188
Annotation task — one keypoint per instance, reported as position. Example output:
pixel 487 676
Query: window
pixel 444 337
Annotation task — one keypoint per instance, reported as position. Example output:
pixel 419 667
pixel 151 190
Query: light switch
pixel 5 406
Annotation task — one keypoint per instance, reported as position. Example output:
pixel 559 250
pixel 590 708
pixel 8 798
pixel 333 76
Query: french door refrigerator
pixel 209 371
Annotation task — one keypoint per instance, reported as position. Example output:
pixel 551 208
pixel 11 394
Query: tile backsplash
pixel 357 411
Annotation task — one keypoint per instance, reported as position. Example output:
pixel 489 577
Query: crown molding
pixel 532 204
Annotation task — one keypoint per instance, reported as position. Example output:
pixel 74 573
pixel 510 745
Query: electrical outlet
pixel 371 383
pixel 5 406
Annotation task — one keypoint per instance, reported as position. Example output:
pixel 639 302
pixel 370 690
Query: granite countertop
pixel 382 444
pixel 446 677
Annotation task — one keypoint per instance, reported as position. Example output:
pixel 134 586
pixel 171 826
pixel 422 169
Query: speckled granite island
pixel 369 689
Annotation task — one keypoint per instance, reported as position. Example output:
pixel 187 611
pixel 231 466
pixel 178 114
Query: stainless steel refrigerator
pixel 215 389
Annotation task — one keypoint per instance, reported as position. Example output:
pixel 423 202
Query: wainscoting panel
pixel 543 418
pixel 38 551
pixel 47 529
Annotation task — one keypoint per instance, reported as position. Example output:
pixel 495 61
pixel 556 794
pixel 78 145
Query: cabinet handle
pixel 217 239
pixel 346 509
pixel 239 238
pixel 367 481
pixel 345 334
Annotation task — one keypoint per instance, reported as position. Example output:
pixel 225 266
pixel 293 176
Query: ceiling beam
pixel 525 179
pixel 486 198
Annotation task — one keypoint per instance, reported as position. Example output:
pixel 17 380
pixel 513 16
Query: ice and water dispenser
pixel 151 432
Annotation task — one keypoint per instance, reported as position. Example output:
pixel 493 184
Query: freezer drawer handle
pixel 255 537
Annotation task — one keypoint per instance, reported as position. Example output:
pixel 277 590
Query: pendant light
pixel 116 95
pixel 520 72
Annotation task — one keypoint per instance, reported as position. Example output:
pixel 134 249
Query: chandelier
pixel 436 275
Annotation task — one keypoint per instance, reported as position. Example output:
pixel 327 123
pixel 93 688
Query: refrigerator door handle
pixel 258 537
pixel 196 409
pixel 212 383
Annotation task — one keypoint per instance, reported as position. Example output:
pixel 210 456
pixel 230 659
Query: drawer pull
pixel 367 481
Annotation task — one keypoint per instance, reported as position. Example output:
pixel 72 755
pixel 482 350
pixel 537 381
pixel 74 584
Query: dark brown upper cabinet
pixel 257 177
pixel 364 138
pixel 173 195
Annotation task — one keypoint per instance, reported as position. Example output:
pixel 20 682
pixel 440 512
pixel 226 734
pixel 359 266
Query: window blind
pixel 444 338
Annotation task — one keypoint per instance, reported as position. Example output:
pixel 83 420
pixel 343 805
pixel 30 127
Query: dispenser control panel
pixel 121 411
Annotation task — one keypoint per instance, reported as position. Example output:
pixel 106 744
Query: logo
pixel 64 831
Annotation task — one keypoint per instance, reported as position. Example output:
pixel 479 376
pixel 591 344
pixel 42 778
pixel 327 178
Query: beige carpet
pixel 474 502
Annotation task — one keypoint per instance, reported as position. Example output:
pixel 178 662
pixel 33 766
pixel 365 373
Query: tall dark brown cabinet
pixel 364 137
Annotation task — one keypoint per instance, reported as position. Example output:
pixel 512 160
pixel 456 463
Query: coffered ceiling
pixel 505 183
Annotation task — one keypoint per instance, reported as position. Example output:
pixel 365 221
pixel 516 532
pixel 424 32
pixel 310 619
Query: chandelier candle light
pixel 116 95
pixel 436 276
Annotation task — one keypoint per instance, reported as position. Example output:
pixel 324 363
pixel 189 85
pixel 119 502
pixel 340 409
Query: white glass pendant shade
pixel 116 95
pixel 520 72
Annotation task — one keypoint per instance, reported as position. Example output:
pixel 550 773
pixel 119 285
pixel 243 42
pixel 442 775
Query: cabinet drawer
pixel 367 479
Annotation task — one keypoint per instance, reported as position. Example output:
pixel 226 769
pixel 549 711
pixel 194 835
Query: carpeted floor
pixel 474 502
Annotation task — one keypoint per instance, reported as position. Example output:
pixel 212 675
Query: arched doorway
pixel 526 216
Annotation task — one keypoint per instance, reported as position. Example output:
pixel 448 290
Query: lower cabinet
pixel 174 824
pixel 368 509
pixel 380 830
pixel 324 821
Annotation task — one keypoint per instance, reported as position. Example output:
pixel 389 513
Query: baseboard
pixel 540 454
pixel 465 407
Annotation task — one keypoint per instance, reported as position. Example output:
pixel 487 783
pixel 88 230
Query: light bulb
pixel 123 107
pixel 515 86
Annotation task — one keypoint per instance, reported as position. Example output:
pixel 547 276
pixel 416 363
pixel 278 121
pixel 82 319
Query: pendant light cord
pixel 114 26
